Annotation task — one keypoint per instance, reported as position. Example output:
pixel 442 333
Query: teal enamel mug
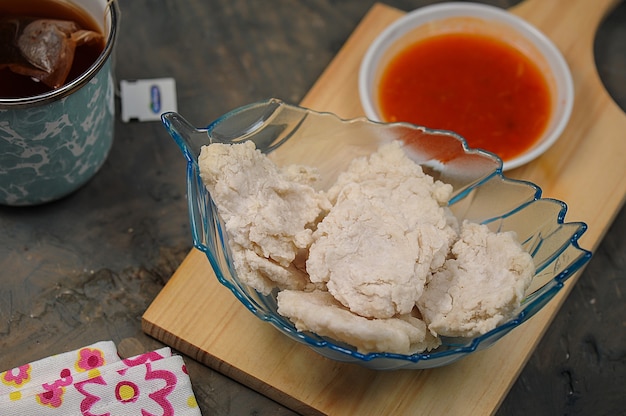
pixel 54 142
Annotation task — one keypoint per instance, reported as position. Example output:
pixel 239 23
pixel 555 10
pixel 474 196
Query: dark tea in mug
pixel 30 25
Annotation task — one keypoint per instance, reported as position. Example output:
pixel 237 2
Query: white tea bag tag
pixel 147 99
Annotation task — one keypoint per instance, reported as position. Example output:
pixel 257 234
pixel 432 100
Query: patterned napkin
pixel 93 380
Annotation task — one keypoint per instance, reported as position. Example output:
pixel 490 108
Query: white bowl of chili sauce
pixel 473 69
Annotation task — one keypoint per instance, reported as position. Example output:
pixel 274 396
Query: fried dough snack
pixel 269 213
pixel 387 229
pixel 319 312
pixel 480 286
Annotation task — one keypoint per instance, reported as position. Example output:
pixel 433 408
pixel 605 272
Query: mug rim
pixel 79 82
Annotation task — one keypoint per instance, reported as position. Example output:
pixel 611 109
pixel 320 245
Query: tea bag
pixel 42 49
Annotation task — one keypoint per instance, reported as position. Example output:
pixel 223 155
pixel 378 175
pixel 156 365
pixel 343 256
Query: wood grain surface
pixel 198 316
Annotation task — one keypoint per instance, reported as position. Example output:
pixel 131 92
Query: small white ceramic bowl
pixel 480 19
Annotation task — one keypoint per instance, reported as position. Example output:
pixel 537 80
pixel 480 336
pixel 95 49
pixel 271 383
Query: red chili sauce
pixel 479 87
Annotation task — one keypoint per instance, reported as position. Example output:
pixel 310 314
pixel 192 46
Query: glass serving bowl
pixel 294 135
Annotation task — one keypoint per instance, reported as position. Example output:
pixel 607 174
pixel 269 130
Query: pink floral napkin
pixel 93 380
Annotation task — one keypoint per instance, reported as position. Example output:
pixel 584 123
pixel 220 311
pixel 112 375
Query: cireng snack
pixel 377 261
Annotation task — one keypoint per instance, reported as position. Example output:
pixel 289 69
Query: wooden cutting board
pixel 197 316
